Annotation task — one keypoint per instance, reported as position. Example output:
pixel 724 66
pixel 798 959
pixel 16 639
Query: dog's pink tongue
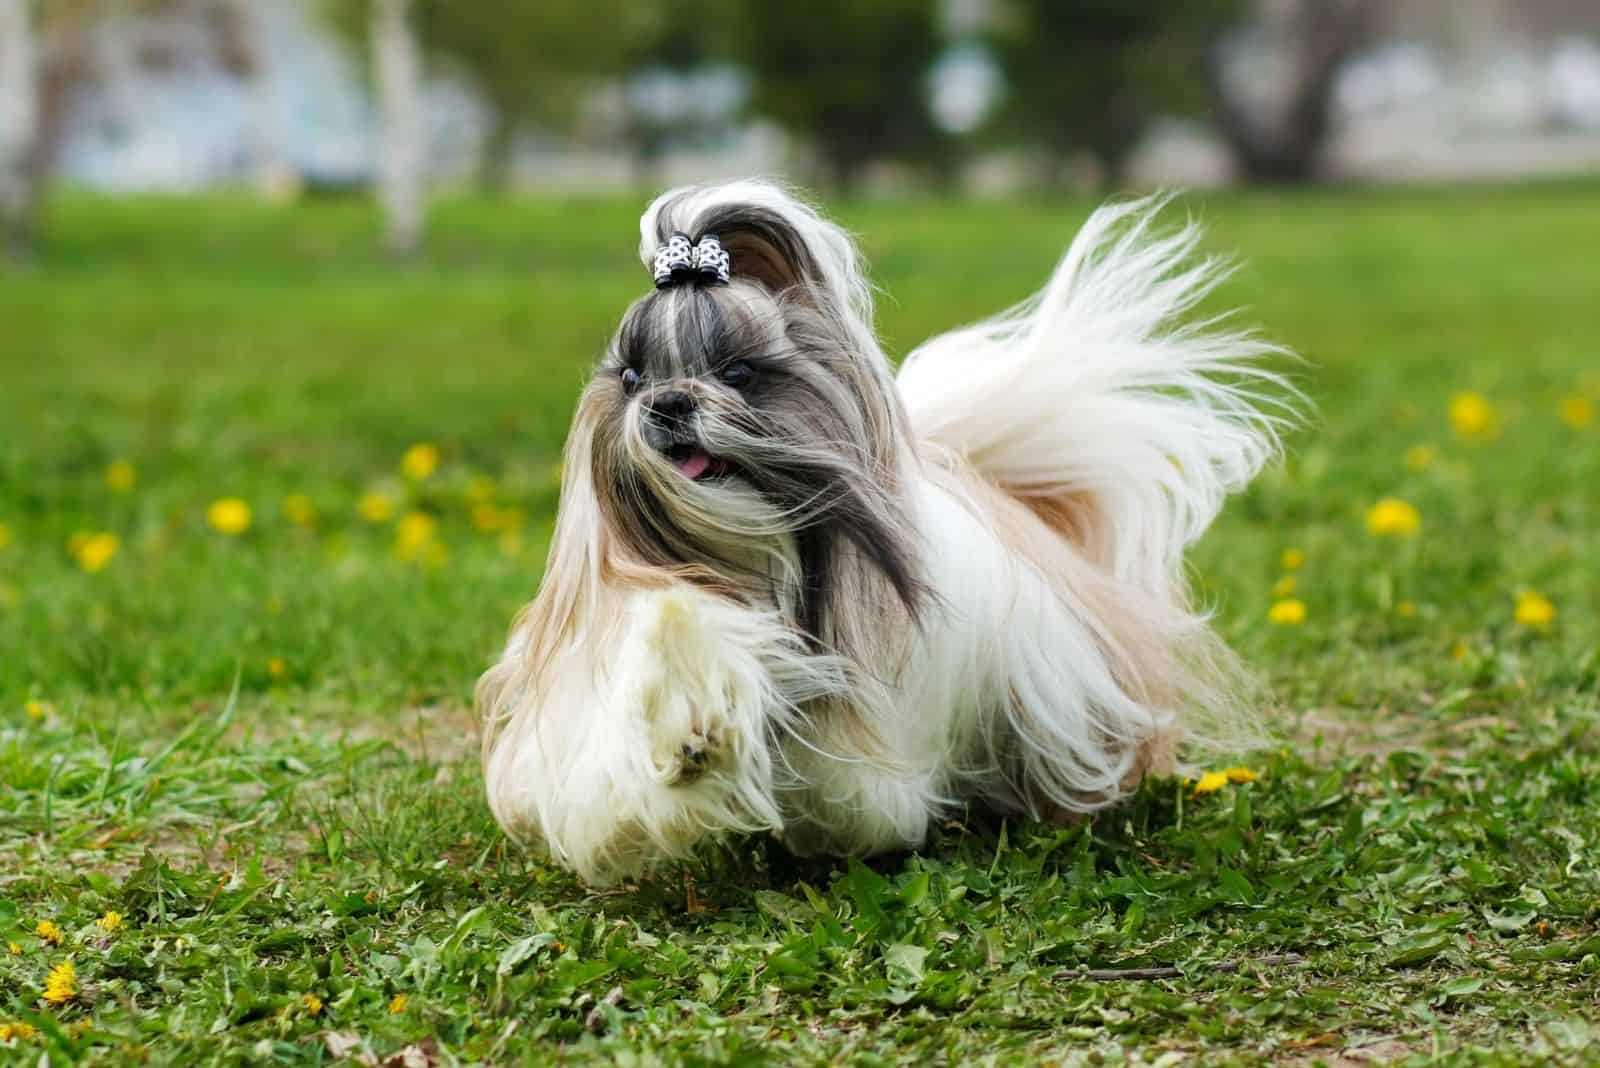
pixel 695 464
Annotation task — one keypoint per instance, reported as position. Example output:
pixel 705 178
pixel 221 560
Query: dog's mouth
pixel 697 465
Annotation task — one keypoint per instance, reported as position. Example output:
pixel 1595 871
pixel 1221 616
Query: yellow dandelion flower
pixel 1459 650
pixel 110 923
pixel 20 1031
pixel 489 519
pixel 1534 610
pixel 312 1004
pixel 61 985
pixel 1472 416
pixel 276 668
pixel 48 930
pixel 1211 782
pixel 1406 610
pixel 413 535
pixel 1577 412
pixel 486 517
pixel 1421 457
pixel 298 509
pixel 37 710
pixel 5 535
pixel 1287 613
pixel 1240 774
pixel 397 1004
pixel 481 489
pixel 1393 518
pixel 376 507
pixel 14 949
pixel 1292 559
pixel 420 461
pixel 230 516
pixel 93 551
pixel 120 476
pixel 1284 586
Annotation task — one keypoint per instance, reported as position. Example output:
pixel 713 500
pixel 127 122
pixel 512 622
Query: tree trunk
pixel 1287 147
pixel 19 118
pixel 398 68
pixel 245 50
pixel 496 163
pixel 647 147
pixel 1113 135
pixel 843 160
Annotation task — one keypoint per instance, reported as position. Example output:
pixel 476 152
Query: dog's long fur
pixel 964 584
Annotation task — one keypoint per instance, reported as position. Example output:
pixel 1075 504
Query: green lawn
pixel 256 748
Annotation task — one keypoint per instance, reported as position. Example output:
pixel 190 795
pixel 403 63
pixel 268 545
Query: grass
pixel 255 748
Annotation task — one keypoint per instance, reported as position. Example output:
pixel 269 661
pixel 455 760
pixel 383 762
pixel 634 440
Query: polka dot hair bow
pixel 682 260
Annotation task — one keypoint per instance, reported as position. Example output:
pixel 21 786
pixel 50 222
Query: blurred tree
pixel 45 61
pixel 1277 126
pixel 678 40
pixel 397 68
pixel 1090 75
pixel 533 60
pixel 18 126
pixel 245 38
pixel 849 74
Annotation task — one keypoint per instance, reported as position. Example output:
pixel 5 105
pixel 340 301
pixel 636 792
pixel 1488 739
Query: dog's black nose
pixel 667 409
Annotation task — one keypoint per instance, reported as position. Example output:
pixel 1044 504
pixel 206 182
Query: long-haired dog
pixel 791 590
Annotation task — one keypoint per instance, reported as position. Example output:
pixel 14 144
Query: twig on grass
pixel 1227 967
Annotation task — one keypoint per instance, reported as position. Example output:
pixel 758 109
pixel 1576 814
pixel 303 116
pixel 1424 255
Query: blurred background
pixel 985 97
pixel 304 291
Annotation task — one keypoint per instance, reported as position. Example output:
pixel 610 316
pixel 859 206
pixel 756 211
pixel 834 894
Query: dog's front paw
pixel 687 695
pixel 695 757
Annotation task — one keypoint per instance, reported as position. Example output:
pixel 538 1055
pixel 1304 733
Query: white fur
pixel 597 772
pixel 1094 386
pixel 1020 687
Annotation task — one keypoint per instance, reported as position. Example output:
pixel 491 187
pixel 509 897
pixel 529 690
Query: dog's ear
pixel 773 239
pixel 765 249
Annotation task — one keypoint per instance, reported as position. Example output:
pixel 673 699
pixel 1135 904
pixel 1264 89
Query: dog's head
pixel 747 429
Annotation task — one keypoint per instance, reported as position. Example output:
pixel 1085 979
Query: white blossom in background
pixel 965 86
pixel 1574 83
pixel 1392 76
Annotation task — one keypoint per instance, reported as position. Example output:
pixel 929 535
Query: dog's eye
pixel 737 374
pixel 630 380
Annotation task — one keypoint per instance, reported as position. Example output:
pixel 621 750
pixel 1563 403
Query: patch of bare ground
pixel 1337 1052
pixel 1336 732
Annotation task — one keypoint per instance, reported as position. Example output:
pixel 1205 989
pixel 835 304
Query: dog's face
pixel 743 437
pixel 735 430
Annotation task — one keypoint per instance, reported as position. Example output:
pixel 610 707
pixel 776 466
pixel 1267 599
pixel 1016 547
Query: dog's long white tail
pixel 1096 392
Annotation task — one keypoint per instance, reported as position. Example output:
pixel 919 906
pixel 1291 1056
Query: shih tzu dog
pixel 793 590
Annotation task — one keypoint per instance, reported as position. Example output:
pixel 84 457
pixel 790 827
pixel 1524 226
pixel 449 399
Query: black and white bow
pixel 682 260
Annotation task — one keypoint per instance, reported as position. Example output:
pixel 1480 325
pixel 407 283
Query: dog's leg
pixel 695 701
pixel 637 744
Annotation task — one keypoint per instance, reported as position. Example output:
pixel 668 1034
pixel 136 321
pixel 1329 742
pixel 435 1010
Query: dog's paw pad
pixel 694 758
